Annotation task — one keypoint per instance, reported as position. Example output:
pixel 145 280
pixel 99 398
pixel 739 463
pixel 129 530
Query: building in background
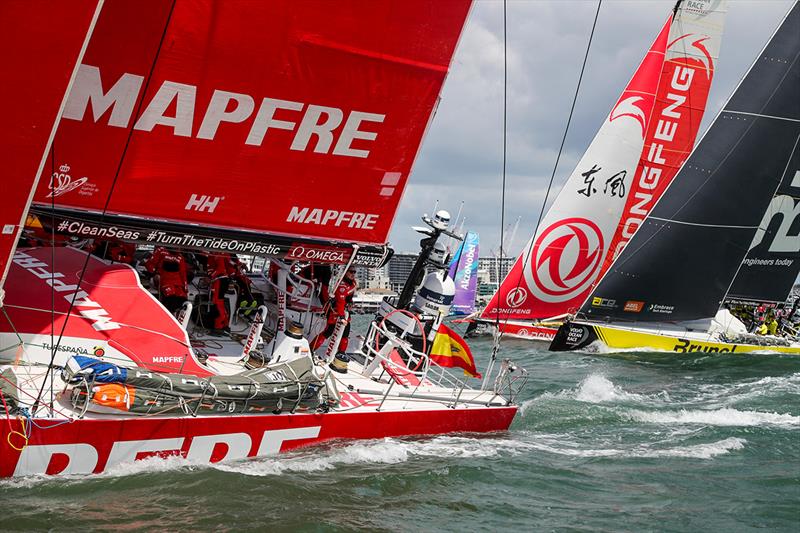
pixel 399 268
pixel 373 278
pixel 496 267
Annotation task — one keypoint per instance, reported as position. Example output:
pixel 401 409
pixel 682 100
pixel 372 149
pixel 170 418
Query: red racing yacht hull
pixel 91 446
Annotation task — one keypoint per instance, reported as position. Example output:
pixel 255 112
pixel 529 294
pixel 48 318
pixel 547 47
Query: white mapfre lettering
pixel 120 98
pixel 325 217
pixel 313 125
pixel 202 447
pixel 273 440
pixel 83 458
pixel 34 459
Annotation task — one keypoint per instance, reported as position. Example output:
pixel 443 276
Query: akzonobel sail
pixel 42 43
pixel 559 264
pixel 681 262
pixel 203 113
pixel 464 271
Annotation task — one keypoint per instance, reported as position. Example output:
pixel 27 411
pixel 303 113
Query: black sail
pixel 681 262
pixel 771 267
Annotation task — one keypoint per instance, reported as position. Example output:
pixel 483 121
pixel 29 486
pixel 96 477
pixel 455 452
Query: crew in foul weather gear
pixel 169 270
pixel 772 326
pixel 116 251
pixel 339 308
pixel 219 272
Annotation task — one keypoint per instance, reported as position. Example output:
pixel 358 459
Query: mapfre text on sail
pixel 314 125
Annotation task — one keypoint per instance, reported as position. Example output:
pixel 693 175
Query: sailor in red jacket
pixel 219 271
pixel 115 250
pixel 339 307
pixel 169 268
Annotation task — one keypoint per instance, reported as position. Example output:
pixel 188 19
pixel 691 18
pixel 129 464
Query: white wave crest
pixel 386 451
pixel 596 388
pixel 716 417
pixel 142 466
pixel 695 451
pixel 700 451
pixel 747 390
pixel 148 465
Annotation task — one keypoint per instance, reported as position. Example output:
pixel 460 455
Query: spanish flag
pixel 450 350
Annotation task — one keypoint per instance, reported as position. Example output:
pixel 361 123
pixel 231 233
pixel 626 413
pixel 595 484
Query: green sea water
pixel 633 442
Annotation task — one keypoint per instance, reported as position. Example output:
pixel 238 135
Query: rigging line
pixel 560 149
pixel 105 207
pixel 503 190
pixel 52 272
pixel 497 336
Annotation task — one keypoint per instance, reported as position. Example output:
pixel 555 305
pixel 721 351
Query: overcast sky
pixel 461 157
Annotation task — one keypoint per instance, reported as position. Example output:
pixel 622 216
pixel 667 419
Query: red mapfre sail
pixel 42 43
pixel 295 118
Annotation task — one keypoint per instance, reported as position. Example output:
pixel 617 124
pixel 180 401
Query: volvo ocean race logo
pixel 61 182
pixel 516 297
pixel 565 259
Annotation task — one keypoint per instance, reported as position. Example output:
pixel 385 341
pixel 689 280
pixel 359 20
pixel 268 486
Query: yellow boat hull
pixel 576 336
